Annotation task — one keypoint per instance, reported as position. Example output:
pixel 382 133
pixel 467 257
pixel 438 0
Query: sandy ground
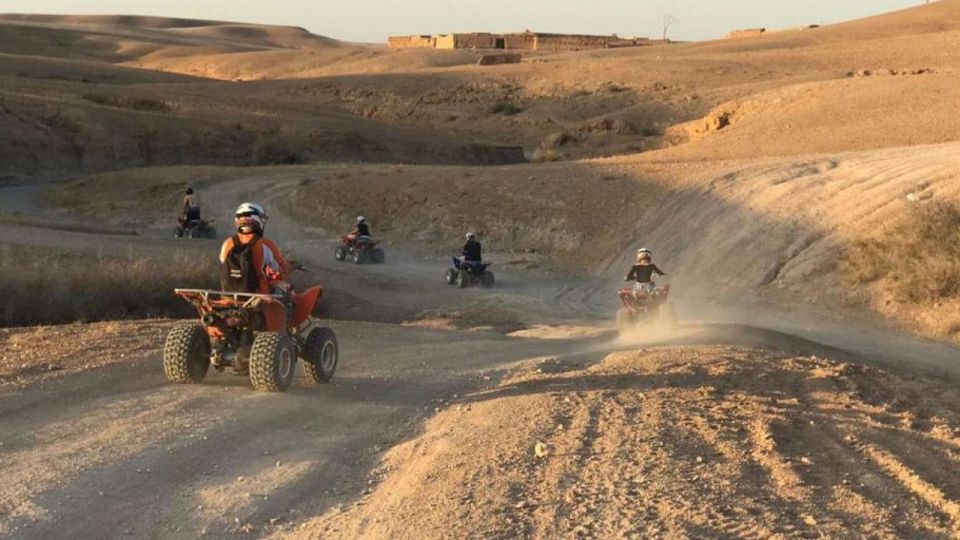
pixel 698 442
pixel 771 435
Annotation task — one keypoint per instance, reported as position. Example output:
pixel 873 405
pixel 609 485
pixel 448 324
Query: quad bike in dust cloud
pixel 644 306
pixel 259 335
pixel 359 249
pixel 194 228
pixel 469 273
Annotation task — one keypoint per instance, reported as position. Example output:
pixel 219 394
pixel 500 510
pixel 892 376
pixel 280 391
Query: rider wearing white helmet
pixel 642 273
pixel 251 262
pixel 362 228
pixel 472 250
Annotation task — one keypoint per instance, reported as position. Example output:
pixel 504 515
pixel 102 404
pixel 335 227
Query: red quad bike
pixel 252 334
pixel 642 307
pixel 359 249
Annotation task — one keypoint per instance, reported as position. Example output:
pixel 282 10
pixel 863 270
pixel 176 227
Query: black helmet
pixel 189 191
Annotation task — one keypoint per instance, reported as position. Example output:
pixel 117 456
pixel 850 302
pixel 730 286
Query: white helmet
pixel 470 235
pixel 644 253
pixel 250 218
pixel 361 219
pixel 250 209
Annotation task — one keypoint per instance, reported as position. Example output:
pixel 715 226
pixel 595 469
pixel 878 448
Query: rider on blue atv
pixel 472 250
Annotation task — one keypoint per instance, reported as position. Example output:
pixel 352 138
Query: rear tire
pixel 340 254
pixel 377 256
pixel 321 353
pixel 273 362
pixel 186 354
pixel 451 276
pixel 487 280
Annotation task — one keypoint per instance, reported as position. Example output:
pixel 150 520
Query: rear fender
pixel 304 304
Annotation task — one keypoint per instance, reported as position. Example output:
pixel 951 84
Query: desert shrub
pixel 506 108
pixel 49 287
pixel 917 257
pixel 127 102
pixel 615 88
pixel 269 150
pixel 556 140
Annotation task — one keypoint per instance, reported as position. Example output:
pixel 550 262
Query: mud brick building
pixel 523 41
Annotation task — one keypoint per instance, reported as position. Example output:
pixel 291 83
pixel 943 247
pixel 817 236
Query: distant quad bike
pixel 467 274
pixel 642 307
pixel 194 228
pixel 359 249
pixel 252 334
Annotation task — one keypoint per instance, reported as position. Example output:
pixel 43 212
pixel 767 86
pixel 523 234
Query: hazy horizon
pixel 374 20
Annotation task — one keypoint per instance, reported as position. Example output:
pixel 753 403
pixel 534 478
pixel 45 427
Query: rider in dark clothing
pixel 362 228
pixel 472 251
pixel 191 206
pixel 642 273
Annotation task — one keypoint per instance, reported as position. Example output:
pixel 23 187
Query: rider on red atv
pixel 191 206
pixel 642 273
pixel 252 263
pixel 361 230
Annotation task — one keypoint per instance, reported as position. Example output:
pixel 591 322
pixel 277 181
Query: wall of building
pixel 526 41
pixel 520 42
pixel 412 42
pixel 500 58
pixel 570 42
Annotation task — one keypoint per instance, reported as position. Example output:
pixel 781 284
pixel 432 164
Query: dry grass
pixel 128 102
pixel 917 258
pixel 48 287
pixel 506 108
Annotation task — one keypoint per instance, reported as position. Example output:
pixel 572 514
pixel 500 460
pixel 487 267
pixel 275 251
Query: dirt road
pixel 95 443
pixel 116 450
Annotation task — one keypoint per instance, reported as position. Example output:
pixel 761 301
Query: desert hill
pixel 880 82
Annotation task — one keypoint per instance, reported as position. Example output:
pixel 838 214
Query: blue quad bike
pixel 469 273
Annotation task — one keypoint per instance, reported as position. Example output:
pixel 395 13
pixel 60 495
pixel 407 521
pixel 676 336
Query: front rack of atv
pixel 211 297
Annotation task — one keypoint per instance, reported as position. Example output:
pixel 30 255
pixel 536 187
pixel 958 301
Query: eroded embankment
pixel 695 442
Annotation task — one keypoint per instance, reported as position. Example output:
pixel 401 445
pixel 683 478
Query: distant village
pixel 540 41
pixel 522 41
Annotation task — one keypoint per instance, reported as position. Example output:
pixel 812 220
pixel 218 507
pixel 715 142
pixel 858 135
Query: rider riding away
pixel 251 262
pixel 642 273
pixel 191 206
pixel 472 251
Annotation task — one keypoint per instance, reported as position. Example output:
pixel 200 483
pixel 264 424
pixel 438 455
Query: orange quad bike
pixel 260 335
pixel 642 307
